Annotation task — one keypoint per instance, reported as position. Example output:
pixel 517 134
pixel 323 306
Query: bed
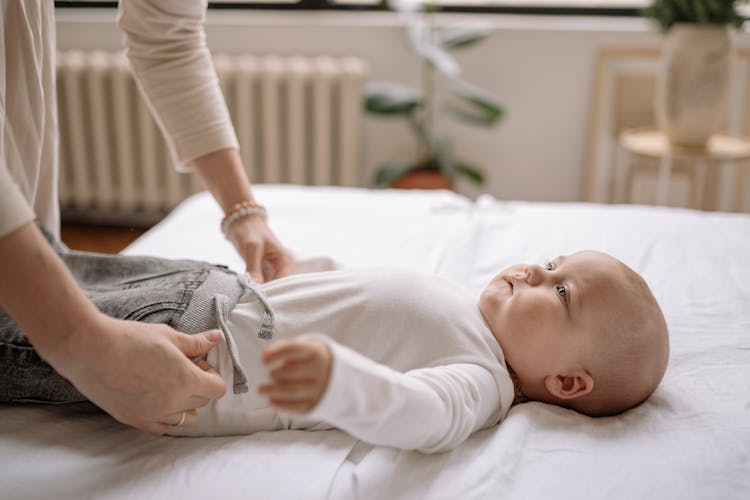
pixel 691 439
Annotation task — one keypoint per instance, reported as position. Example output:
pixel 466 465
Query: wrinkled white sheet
pixel 690 440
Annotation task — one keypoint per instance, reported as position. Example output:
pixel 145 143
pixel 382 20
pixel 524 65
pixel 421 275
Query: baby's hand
pixel 299 370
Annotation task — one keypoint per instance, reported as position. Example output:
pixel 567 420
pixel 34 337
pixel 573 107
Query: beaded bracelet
pixel 240 210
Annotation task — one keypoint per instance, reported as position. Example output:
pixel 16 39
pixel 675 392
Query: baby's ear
pixel 578 382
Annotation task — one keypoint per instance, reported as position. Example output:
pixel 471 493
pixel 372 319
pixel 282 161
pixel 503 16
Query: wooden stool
pixel 653 143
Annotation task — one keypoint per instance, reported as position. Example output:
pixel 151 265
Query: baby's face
pixel 544 317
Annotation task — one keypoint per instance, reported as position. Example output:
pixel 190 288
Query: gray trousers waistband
pixel 210 307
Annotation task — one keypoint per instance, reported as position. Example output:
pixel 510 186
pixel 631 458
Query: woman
pixel 139 373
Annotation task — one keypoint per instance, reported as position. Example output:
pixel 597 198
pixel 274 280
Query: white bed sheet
pixel 690 440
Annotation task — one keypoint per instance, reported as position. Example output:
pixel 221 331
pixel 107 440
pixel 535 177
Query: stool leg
pixel 662 189
pixel 740 185
pixel 622 160
pixel 699 193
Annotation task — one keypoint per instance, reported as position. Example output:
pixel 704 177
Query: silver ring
pixel 182 419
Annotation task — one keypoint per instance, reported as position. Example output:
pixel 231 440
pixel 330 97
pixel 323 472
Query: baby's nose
pixel 534 274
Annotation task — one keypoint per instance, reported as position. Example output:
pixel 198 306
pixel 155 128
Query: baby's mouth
pixel 510 284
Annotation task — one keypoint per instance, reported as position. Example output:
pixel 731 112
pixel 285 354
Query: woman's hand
pixel 223 173
pixel 264 256
pixel 299 370
pixel 141 373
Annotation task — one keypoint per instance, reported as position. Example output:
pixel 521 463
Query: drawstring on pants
pixel 266 324
pixel 239 379
pixel 221 304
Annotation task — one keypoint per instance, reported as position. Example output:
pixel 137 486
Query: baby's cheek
pixel 529 314
pixel 521 309
pixel 496 294
pixel 487 291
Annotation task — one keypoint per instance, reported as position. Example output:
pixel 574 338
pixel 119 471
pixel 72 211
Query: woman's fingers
pixel 181 419
pixel 155 428
pixel 281 261
pixel 254 259
pixel 197 401
pixel 207 381
pixel 257 245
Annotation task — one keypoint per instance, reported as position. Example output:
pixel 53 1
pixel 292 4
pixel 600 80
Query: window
pixel 529 5
pixel 626 7
pixel 591 4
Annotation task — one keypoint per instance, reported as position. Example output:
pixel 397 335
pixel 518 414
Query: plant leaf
pixel 463 35
pixel 471 172
pixel 716 12
pixel 473 117
pixel 387 98
pixel 420 38
pixel 389 171
pixel 444 62
pixel 485 109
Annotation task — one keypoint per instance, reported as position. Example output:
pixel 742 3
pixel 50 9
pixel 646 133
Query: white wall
pixel 541 69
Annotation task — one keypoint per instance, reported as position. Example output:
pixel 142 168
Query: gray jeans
pixel 187 295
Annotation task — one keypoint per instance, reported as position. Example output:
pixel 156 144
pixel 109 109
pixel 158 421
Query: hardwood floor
pixel 104 239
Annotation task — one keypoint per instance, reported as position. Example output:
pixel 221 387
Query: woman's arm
pixel 166 47
pixel 222 172
pixel 139 373
pixel 430 410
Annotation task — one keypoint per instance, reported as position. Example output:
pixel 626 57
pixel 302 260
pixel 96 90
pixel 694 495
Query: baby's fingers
pixel 286 350
pixel 293 371
pixel 288 391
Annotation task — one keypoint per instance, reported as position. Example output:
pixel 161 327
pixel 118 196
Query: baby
pixel 412 361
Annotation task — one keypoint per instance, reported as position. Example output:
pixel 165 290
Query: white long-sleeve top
pixel 166 45
pixel 167 51
pixel 28 115
pixel 415 366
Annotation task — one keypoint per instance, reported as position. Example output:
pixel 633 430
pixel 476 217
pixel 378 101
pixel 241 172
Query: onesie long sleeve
pixel 428 409
pixel 415 365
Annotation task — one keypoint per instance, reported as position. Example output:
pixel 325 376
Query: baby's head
pixel 584 332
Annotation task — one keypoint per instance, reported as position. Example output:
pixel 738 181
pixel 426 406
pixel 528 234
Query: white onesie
pixel 415 366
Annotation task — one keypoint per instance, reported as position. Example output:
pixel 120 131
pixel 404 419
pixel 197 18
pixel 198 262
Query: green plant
pixel 470 104
pixel 720 12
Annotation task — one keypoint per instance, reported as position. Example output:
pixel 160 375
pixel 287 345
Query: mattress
pixel 691 439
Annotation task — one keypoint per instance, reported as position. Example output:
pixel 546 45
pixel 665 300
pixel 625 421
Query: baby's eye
pixel 562 292
pixel 549 266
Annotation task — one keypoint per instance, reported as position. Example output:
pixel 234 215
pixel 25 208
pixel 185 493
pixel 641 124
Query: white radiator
pixel 297 120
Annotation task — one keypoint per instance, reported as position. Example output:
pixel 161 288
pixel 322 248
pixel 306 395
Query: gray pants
pixel 187 295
